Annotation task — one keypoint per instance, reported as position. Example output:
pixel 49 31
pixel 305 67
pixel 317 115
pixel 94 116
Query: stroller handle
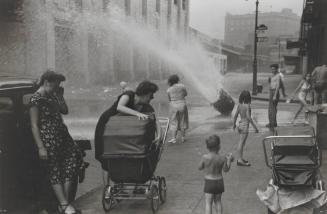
pixel 164 123
pixel 269 138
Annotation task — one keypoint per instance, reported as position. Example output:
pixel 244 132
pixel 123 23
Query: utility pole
pixel 279 63
pixel 255 63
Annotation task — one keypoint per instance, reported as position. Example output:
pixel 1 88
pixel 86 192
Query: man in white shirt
pixel 274 87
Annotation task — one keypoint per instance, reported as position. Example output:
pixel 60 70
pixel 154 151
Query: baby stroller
pixel 295 161
pixel 132 157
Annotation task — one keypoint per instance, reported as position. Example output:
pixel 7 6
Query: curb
pixel 283 100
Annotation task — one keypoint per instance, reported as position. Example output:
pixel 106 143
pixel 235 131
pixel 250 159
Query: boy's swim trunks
pixel 214 186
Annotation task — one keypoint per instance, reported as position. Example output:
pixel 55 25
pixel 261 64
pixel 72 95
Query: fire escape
pixel 11 10
pixel 310 34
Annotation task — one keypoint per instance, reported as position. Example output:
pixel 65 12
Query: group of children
pixel 214 163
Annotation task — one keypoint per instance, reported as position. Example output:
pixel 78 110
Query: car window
pixel 26 99
pixel 6 105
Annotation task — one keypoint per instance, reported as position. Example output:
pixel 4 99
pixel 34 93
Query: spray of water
pixel 186 57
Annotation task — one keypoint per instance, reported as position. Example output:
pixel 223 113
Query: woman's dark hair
pixel 245 97
pixel 145 88
pixel 274 66
pixel 51 76
pixel 213 142
pixel 173 79
pixel 305 76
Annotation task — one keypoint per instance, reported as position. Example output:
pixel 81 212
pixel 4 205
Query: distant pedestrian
pixel 178 112
pixel 282 82
pixel 124 86
pixel 303 90
pixel 275 82
pixel 319 83
pixel 244 110
pixel 213 164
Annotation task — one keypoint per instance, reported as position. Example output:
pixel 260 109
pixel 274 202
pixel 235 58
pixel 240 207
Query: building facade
pixel 44 35
pixel 213 49
pixel 313 39
pixel 239 29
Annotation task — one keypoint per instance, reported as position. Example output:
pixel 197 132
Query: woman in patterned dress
pixel 56 147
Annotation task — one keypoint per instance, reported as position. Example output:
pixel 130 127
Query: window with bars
pixel 184 4
pixel 11 10
pixel 158 6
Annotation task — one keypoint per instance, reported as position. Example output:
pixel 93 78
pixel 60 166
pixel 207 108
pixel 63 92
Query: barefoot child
pixel 303 90
pixel 213 163
pixel 244 110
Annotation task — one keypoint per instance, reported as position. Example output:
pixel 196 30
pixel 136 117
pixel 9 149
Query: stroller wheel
pixel 154 196
pixel 107 199
pixel 162 189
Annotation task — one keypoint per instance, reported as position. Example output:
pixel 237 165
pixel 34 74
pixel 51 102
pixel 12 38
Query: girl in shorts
pixel 244 110
pixel 213 163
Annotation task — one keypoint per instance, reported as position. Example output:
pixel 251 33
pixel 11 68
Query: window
pixel 184 4
pixel 11 10
pixel 6 105
pixel 26 99
pixel 158 6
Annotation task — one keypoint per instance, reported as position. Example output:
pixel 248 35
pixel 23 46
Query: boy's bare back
pixel 212 164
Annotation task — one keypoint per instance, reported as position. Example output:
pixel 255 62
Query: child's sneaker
pixel 183 140
pixel 172 140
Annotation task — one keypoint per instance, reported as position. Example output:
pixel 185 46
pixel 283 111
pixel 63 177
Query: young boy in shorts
pixel 213 164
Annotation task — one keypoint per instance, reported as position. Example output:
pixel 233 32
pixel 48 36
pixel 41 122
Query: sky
pixel 208 16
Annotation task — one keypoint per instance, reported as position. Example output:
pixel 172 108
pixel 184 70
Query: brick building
pixel 313 40
pixel 40 34
pixel 239 28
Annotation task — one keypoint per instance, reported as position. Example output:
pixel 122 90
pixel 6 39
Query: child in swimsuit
pixel 213 163
pixel 303 90
pixel 244 110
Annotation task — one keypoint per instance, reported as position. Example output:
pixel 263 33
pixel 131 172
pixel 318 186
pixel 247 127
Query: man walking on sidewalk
pixel 274 86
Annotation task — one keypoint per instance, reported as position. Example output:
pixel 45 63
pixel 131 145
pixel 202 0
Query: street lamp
pixel 279 63
pixel 255 66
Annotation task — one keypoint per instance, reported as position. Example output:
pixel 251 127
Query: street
pixel 65 62
pixel 179 162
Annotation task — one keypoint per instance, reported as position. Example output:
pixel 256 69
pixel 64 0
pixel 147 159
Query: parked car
pixel 22 176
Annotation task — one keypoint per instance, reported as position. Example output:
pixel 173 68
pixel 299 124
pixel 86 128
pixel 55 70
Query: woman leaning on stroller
pixel 126 103
pixel 56 148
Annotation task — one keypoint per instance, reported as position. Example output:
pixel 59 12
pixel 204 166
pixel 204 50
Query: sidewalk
pixel 185 183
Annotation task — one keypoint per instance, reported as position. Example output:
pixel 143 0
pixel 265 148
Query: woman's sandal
pixel 239 163
pixel 81 172
pixel 62 208
pixel 245 161
pixel 183 140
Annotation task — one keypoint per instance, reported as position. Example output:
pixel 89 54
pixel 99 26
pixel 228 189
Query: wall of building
pixel 47 39
pixel 13 37
pixel 316 51
pixel 238 28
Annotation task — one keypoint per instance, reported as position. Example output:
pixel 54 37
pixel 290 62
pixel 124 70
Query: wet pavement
pixel 185 183
pixel 203 118
pixel 179 161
